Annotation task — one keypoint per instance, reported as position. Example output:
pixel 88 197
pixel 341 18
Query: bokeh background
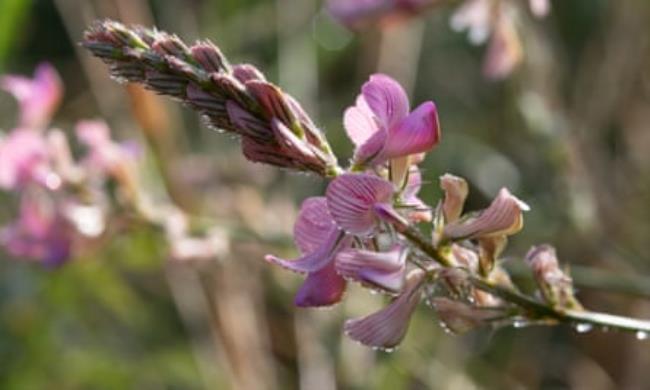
pixel 568 132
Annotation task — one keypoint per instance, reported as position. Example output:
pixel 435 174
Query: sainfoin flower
pixel 382 127
pixel 38 97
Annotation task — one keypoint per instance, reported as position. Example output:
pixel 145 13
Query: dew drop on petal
pixel 519 323
pixel 583 327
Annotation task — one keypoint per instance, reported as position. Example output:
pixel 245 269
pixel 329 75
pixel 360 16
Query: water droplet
pixel 641 335
pixel 519 323
pixel 583 327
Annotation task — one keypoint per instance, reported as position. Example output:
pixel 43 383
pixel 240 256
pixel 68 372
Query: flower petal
pixel 385 270
pixel 503 217
pixel 456 191
pixel 386 98
pixel 316 260
pixel 351 199
pixel 23 158
pixel 359 122
pixel 554 283
pixel 387 327
pixel 321 288
pixel 38 97
pixel 418 132
pixel 314 224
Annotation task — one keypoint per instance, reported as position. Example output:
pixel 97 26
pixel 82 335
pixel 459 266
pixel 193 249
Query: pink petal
pixel 318 259
pixel 456 191
pixel 385 270
pixel 419 132
pixel 314 224
pixel 502 217
pixel 475 16
pixel 321 288
pixel 387 327
pixel 386 98
pixel 351 199
pixel 38 97
pixel 359 122
pixel 352 13
pixel 371 150
pixel 23 158
pixel 504 52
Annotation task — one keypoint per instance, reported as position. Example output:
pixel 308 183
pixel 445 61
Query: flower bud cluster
pixel 273 127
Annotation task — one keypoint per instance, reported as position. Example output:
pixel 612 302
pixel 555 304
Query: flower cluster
pixel 496 20
pixel 62 202
pixel 358 231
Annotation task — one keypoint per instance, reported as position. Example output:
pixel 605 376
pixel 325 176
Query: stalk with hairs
pixel 366 227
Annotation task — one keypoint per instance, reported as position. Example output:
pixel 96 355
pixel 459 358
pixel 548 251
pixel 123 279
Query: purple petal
pixel 456 191
pixel 247 124
pixel 419 132
pixel 314 224
pixel 351 199
pixel 386 98
pixel 385 270
pixel 319 258
pixel 321 288
pixel 272 100
pixel 387 327
pixel 359 122
pixel 503 217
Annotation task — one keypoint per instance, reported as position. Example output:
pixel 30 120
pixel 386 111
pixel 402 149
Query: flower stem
pixel 536 310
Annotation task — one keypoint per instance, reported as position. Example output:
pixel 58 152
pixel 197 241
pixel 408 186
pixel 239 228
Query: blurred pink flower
pixel 41 233
pixel 38 97
pixel 24 159
pixel 381 127
pixel 358 13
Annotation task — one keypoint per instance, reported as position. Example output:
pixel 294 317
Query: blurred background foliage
pixel 568 132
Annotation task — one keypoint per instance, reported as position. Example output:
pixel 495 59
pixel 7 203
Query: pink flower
pixel 38 97
pixel 24 159
pixel 381 127
pixel 41 233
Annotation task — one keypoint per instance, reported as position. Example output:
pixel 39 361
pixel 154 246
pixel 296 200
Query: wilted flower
pixel 456 191
pixel 381 127
pixel 38 97
pixel 555 285
pixel 459 317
